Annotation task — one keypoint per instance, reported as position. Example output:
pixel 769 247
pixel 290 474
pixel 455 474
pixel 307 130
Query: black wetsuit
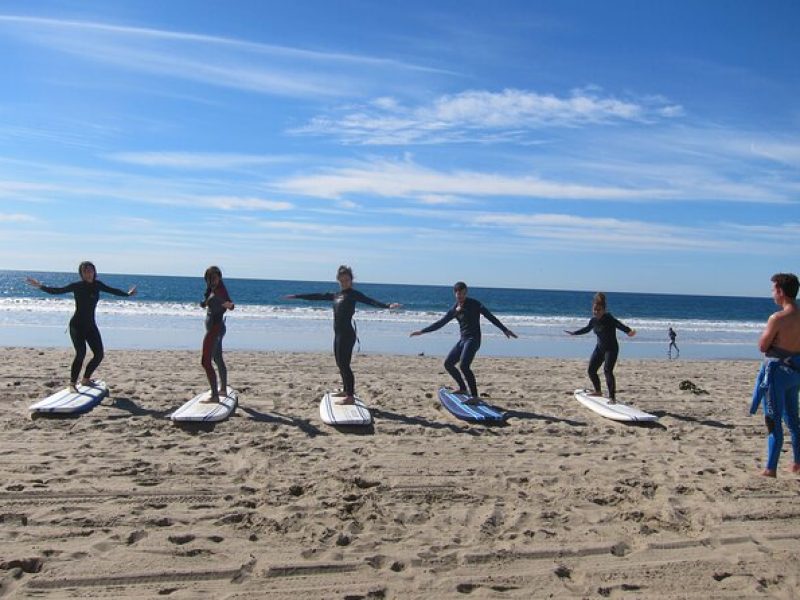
pixel 344 335
pixel 215 331
pixel 469 323
pixel 82 326
pixel 606 351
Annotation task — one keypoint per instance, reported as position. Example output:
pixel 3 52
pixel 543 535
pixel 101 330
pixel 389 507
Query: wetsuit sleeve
pixel 58 290
pixel 583 330
pixel 110 290
pixel 621 326
pixel 325 296
pixel 492 319
pixel 449 316
pixel 360 297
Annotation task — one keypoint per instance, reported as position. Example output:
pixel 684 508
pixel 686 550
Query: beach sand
pixel 120 503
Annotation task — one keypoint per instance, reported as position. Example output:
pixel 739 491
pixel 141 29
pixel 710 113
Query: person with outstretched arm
pixel 82 326
pixel 216 301
pixel 778 381
pixel 467 311
pixel 344 335
pixel 606 351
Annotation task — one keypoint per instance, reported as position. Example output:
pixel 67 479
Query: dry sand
pixel 120 503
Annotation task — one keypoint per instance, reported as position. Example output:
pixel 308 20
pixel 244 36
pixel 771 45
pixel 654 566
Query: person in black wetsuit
pixel 216 301
pixel 467 311
pixel 606 351
pixel 672 335
pixel 82 326
pixel 344 335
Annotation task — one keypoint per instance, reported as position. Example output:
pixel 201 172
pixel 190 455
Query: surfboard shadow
pixel 303 425
pixel 384 414
pixel 355 429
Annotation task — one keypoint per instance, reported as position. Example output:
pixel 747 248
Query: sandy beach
pixel 120 503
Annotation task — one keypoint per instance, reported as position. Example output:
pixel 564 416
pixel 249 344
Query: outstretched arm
pixel 624 328
pixel 116 292
pixel 496 322
pixel 326 296
pixel 449 316
pixel 50 290
pixel 581 331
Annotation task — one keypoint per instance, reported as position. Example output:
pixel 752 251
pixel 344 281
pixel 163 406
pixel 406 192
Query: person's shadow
pixel 303 425
pixel 688 419
pixel 521 414
pixel 409 420
pixel 134 410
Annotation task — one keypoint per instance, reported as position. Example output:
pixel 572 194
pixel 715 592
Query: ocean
pixel 165 314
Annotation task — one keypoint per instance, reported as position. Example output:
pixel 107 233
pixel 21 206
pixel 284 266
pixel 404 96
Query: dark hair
pixel 787 282
pixel 344 270
pixel 599 300
pixel 459 285
pixel 212 270
pixel 84 265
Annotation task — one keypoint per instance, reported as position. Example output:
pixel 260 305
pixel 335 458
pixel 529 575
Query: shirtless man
pixel 781 341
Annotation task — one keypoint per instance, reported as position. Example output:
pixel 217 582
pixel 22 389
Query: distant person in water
pixel 606 351
pixel 467 311
pixel 672 344
pixel 344 334
pixel 82 326
pixel 216 301
pixel 778 382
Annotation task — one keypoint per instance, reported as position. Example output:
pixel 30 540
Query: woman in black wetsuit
pixel 216 301
pixel 344 336
pixel 606 351
pixel 467 311
pixel 82 326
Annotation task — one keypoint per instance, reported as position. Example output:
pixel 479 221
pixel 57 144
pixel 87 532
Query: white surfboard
pixel 209 412
pixel 66 402
pixel 616 411
pixel 343 414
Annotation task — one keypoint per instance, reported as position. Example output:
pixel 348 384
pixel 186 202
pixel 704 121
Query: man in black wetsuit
pixel 606 351
pixel 467 311
pixel 82 326
pixel 344 335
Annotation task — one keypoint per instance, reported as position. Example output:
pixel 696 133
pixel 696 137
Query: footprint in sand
pixel 181 539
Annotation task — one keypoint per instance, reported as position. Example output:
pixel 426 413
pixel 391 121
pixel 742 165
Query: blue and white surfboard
pixel 467 409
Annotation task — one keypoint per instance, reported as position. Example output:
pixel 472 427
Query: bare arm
pixel 767 338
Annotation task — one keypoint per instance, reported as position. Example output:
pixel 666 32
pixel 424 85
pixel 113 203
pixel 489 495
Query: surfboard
pixel 616 411
pixel 66 402
pixel 343 414
pixel 209 412
pixel 475 410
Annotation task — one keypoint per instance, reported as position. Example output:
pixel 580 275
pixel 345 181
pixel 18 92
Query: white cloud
pixel 481 115
pixel 235 203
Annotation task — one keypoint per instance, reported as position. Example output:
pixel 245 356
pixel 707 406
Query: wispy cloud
pixel 481 115
pixel 215 60
pixel 16 218
pixel 196 160
pixel 405 179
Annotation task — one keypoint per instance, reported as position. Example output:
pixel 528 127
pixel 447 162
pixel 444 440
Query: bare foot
pixel 769 473
pixel 795 468
pixel 338 394
pixel 88 382
pixel 345 400
pixel 73 388
pixel 212 399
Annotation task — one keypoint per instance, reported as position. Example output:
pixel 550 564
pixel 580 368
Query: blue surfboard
pixel 476 411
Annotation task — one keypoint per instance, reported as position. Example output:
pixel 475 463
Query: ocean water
pixel 165 314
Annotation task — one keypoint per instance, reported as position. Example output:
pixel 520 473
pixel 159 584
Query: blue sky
pixel 623 146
